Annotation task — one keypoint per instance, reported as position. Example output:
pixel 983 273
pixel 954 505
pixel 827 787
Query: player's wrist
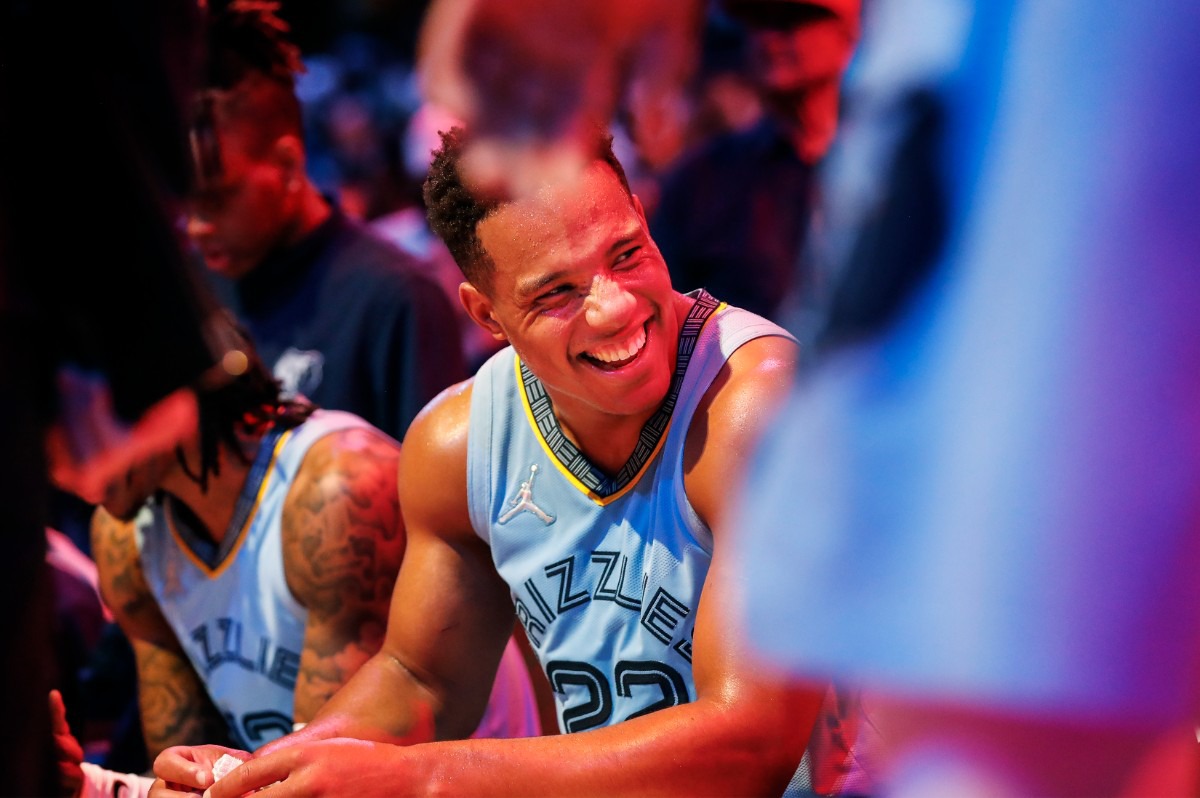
pixel 101 782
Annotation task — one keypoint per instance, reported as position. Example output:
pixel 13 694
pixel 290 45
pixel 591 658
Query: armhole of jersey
pixel 733 328
pixel 479 435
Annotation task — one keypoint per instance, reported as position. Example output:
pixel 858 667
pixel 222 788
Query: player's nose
pixel 608 304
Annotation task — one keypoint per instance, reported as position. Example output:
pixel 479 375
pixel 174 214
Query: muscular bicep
pixel 725 429
pixel 343 543
pixel 736 411
pixel 732 417
pixel 451 617
pixel 451 613
pixel 175 707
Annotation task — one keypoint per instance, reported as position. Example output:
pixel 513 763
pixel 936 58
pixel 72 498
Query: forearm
pixel 175 709
pixel 173 720
pixel 382 702
pixel 694 749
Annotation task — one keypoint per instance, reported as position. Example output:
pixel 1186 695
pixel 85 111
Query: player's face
pixel 583 295
pixel 243 213
pixel 125 495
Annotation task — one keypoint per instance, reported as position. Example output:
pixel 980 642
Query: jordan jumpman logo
pixel 524 501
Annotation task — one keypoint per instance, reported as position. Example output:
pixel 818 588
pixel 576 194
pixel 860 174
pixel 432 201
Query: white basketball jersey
pixel 231 608
pixel 236 618
pixel 605 573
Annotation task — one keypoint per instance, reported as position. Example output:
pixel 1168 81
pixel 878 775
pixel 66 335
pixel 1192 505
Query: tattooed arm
pixel 175 707
pixel 343 541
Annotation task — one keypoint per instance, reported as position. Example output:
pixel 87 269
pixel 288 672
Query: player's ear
pixel 288 152
pixel 479 308
pixel 637 206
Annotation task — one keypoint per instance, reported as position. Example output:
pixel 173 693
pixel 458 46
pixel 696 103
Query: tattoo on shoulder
pixel 122 582
pixel 343 537
pixel 343 543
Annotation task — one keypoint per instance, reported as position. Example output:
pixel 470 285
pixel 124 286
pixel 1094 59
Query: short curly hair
pixel 455 212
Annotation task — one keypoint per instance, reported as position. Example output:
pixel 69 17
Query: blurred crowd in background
pixel 999 445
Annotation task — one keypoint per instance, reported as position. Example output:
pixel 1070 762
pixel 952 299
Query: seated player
pixel 252 568
pixel 578 483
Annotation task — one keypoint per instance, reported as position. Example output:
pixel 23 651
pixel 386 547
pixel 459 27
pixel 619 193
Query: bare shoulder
pixel 442 424
pixel 342 530
pixel 433 464
pixel 111 537
pixel 342 458
pixel 761 371
pixel 122 582
pixel 115 550
pixel 745 394
pixel 353 443
pixel 355 466
pixel 738 406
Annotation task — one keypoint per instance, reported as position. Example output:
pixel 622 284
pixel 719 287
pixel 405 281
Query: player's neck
pixel 311 213
pixel 608 440
pixel 212 507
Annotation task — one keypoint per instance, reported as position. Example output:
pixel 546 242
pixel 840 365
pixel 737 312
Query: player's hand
pixel 340 766
pixel 68 751
pixel 186 770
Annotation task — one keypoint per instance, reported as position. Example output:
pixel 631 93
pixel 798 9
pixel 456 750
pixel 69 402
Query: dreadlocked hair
pixel 250 78
pixel 454 211
pixel 247 36
pixel 247 406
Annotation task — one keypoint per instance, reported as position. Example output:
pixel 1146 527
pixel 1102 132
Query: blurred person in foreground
pixel 1008 447
pixel 340 316
pixel 577 483
pixel 1001 443
pixel 252 570
pixel 100 157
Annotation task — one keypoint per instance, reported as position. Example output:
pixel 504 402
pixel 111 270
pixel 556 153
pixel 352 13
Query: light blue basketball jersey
pixel 231 608
pixel 605 573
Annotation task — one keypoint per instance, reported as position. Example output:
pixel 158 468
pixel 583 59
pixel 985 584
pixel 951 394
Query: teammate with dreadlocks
pixel 252 569
pixel 338 314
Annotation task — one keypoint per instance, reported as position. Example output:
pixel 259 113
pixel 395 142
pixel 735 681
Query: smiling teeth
pixel 622 351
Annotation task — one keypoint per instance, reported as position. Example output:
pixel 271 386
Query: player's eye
pixel 554 295
pixel 626 255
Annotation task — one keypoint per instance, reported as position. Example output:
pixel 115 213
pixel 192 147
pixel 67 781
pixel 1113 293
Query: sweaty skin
pixel 577 280
pixel 342 544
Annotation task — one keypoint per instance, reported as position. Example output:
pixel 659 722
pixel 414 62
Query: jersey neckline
pixel 566 456
pixel 204 553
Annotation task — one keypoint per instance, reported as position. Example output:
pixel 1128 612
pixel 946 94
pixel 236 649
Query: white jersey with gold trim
pixel 238 622
pixel 605 572
pixel 231 609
